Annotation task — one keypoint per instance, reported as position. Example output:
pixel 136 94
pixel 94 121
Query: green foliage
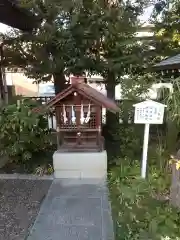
pixel 130 140
pixel 77 36
pixel 172 116
pixel 92 36
pixel 159 150
pixel 46 169
pixel 137 211
pixel 172 100
pixel 23 133
pixel 167 29
pixel 126 142
pixel 125 139
pixel 167 44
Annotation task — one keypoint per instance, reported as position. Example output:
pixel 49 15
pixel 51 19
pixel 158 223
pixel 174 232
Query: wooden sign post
pixel 148 112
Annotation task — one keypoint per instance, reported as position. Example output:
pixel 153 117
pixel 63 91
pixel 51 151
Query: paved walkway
pixel 74 210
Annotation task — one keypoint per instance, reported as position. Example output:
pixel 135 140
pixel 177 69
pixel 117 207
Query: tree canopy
pixel 84 36
pixel 166 20
pixel 93 36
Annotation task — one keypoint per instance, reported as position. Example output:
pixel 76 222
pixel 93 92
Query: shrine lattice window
pixel 70 116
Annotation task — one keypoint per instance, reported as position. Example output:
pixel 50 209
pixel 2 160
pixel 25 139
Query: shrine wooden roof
pixel 89 93
pixel 170 63
pixel 17 17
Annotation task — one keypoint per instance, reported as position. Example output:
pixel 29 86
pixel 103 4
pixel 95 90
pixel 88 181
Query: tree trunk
pixel 1 88
pixel 110 87
pixel 112 121
pixel 3 83
pixel 59 82
pixel 6 98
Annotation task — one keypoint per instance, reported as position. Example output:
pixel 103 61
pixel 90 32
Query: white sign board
pixel 148 112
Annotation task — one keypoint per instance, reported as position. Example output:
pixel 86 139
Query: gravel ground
pixel 20 202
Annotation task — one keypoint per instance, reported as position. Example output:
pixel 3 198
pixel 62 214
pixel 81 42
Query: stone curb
pixel 26 176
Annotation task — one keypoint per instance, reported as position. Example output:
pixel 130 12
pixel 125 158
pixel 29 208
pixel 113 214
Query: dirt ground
pixel 20 201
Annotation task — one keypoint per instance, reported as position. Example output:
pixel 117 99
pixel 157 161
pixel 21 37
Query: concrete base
pixel 80 165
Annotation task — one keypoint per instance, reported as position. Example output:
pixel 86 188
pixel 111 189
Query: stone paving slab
pixel 74 210
pixel 69 233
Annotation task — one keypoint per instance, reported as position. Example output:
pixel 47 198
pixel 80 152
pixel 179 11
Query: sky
pixel 4 28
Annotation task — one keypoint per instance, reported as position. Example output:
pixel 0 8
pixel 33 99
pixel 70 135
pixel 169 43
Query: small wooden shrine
pixel 79 117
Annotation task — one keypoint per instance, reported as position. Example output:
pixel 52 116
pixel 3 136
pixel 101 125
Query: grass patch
pixel 138 213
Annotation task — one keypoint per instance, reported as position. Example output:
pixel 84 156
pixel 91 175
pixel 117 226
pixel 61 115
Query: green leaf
pixel 153 226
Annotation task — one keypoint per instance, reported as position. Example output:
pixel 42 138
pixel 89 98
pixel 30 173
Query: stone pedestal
pixel 80 165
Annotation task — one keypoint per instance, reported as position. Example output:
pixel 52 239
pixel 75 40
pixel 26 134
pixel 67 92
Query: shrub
pixel 137 212
pixel 126 142
pixel 125 138
pixel 23 133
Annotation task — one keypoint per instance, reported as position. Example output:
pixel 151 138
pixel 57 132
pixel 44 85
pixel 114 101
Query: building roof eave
pixel 15 16
pixel 171 63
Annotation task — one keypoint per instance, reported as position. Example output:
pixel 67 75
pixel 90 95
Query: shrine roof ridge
pixel 88 92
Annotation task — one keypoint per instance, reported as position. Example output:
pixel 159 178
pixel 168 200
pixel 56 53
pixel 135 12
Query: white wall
pixel 47 89
pixel 153 91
